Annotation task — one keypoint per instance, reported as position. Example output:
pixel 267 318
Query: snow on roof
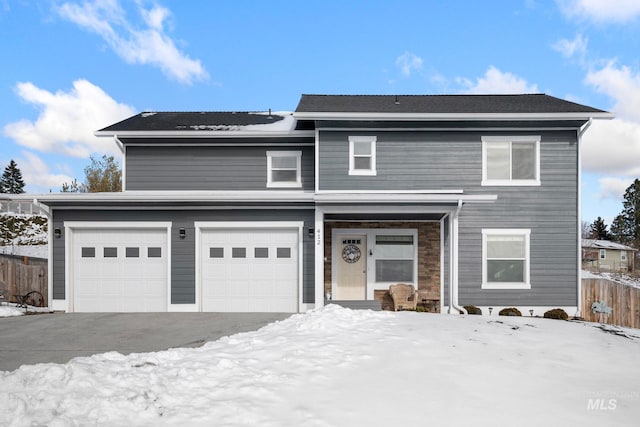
pixel 219 121
pixel 605 244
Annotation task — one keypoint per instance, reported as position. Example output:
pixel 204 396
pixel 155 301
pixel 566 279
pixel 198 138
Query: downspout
pixel 581 132
pixel 45 209
pixel 124 159
pixel 453 262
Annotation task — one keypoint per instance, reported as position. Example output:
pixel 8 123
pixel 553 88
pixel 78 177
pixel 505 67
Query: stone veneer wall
pixel 428 254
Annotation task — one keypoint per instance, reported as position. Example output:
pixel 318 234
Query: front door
pixel 351 268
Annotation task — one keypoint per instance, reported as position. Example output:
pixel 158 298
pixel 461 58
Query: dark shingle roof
pixel 186 121
pixel 440 104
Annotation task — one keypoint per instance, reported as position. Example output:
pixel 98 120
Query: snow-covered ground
pixel 10 311
pixel 338 367
pixel 36 251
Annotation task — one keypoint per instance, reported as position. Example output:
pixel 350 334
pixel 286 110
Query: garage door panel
pixel 115 279
pixel 257 282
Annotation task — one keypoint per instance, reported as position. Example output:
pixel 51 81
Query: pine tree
pixel 11 181
pixel 598 230
pixel 626 226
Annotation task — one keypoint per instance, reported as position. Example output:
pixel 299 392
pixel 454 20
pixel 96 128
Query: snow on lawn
pixel 9 311
pixel 338 367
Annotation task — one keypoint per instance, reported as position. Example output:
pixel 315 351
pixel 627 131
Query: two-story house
pixel 473 199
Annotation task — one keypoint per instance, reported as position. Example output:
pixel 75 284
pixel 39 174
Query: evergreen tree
pixel 626 226
pixel 598 230
pixel 11 181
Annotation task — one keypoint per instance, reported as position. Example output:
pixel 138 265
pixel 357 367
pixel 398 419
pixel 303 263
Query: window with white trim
pixel 603 254
pixel 511 160
pixel 505 259
pixel 395 258
pixel 283 169
pixel 623 255
pixel 362 155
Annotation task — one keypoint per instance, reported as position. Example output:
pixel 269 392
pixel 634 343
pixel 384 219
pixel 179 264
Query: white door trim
pixel 243 225
pixel 370 234
pixel 71 226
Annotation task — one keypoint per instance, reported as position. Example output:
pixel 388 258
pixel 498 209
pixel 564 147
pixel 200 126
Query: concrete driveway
pixel 59 337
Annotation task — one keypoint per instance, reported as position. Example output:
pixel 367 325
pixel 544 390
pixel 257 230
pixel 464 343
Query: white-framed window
pixel 395 258
pixel 505 259
pixel 283 169
pixel 362 155
pixel 623 255
pixel 603 254
pixel 511 160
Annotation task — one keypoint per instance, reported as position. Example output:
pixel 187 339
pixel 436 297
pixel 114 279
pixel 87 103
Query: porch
pixel 363 257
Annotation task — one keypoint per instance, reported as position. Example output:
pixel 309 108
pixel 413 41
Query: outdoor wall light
pixel 183 233
pixel 311 232
pixel 490 310
pixel 57 233
pixel 531 312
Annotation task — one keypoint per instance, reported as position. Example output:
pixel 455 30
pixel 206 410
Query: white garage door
pixel 119 270
pixel 249 270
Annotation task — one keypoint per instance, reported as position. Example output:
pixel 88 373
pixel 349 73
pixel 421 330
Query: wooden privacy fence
pixel 623 300
pixel 19 275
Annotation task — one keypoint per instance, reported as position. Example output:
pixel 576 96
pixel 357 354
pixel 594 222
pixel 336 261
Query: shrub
pixel 472 309
pixel 556 313
pixel 510 311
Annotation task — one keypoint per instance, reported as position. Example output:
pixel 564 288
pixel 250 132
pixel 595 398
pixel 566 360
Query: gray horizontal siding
pixel 183 250
pixel 453 160
pixel 206 168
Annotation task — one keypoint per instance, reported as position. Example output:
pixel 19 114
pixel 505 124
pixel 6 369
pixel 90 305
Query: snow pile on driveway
pixel 10 310
pixel 338 367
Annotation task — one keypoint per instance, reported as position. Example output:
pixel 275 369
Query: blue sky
pixel 72 67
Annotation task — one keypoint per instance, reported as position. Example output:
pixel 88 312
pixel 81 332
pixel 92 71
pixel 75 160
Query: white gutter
pixel 453 262
pixel 581 132
pixel 384 198
pixel 118 143
pixel 334 115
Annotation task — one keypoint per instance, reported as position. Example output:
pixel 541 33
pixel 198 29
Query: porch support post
pixel 319 257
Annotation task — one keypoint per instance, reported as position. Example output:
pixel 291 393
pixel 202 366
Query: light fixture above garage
pixel 183 233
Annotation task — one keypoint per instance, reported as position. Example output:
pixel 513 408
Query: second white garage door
pixel 249 270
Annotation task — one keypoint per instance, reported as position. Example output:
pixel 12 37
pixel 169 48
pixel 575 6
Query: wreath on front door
pixel 351 254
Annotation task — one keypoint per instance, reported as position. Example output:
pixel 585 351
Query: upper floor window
pixel 505 259
pixel 283 169
pixel 362 155
pixel 511 160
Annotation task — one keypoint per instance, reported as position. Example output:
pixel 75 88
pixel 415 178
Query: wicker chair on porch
pixel 404 297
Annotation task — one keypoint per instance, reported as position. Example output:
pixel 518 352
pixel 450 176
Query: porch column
pixel 319 257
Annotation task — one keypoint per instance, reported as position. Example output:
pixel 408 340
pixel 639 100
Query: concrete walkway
pixel 57 338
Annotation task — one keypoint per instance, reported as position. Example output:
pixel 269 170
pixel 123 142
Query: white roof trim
pixel 204 134
pixel 451 116
pixel 132 197
pixel 347 198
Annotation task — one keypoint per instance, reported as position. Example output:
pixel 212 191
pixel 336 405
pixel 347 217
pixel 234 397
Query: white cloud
pixel 612 147
pixel 67 120
pixel 613 187
pixel 36 173
pixel 408 62
pixel 147 45
pixel 572 48
pixel 601 11
pixel 621 84
pixel 495 81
